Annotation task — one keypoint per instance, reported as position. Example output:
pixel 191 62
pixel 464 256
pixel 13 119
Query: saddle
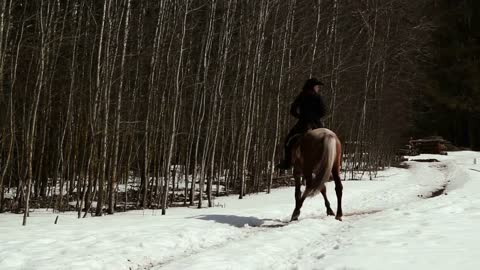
pixel 295 139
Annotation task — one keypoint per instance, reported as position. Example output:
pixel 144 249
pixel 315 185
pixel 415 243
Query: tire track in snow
pixel 321 247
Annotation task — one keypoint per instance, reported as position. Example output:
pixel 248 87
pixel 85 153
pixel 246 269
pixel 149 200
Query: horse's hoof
pixel 295 215
pixel 330 213
pixel 339 218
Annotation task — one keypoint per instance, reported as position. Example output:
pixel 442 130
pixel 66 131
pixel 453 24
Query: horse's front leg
pixel 298 196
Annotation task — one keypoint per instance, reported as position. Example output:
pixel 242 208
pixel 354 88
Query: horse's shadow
pixel 241 221
pixel 245 222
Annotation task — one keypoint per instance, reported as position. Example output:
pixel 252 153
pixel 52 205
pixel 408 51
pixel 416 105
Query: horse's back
pixel 320 133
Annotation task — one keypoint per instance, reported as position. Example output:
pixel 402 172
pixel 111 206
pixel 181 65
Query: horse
pixel 316 155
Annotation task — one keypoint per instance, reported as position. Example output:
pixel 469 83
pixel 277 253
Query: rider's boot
pixel 286 163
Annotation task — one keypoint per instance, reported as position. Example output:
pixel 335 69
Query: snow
pixel 390 223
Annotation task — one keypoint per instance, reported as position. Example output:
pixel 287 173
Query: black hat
pixel 310 83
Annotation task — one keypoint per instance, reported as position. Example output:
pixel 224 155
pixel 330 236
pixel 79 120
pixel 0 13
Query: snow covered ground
pixel 389 223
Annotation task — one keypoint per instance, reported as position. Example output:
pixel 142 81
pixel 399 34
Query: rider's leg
pixel 286 163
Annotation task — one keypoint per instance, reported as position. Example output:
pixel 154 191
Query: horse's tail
pixel 323 169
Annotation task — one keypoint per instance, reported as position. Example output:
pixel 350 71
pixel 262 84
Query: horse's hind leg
pixel 327 203
pixel 298 197
pixel 338 190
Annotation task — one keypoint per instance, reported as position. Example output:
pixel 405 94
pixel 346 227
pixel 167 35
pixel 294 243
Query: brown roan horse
pixel 316 156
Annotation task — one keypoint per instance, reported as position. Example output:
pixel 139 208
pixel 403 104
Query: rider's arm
pixel 321 106
pixel 294 108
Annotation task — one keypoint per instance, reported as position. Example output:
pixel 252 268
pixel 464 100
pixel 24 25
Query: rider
pixel 309 109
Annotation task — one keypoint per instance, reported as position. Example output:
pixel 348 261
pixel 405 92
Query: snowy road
pixel 390 223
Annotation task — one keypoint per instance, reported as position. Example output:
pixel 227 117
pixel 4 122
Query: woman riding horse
pixel 309 109
pixel 317 154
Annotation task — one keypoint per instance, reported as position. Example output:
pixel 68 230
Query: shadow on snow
pixel 241 221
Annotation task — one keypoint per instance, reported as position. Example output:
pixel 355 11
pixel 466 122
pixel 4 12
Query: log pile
pixel 407 150
pixel 430 145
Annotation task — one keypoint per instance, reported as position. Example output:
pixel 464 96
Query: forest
pixel 120 104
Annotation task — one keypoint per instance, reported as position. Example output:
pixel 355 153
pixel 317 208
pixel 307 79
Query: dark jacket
pixel 308 108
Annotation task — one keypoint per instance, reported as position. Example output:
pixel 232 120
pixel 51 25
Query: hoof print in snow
pixel 438 192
